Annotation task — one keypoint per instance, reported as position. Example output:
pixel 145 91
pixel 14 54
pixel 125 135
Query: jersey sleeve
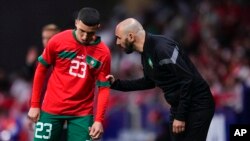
pixel 102 103
pixel 45 60
pixel 38 82
pixel 48 56
pixel 103 89
pixel 103 72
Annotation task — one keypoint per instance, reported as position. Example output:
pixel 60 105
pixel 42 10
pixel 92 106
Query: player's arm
pixel 39 78
pixel 103 89
pixel 102 98
pixel 96 130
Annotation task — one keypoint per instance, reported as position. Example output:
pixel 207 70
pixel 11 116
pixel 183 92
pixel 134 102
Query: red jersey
pixel 77 68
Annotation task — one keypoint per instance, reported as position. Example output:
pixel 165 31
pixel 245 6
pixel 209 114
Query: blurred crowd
pixel 214 33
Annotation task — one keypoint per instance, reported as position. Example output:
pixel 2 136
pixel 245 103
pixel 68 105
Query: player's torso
pixel 71 61
pixel 72 81
pixel 77 63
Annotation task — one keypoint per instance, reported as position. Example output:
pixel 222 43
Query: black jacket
pixel 166 66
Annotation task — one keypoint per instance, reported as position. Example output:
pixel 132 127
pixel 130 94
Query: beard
pixel 128 47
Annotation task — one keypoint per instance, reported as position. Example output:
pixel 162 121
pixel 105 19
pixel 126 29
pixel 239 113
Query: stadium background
pixel 215 34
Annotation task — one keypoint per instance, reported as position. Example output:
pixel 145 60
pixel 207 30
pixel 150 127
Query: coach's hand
pixel 110 78
pixel 34 114
pixel 96 130
pixel 178 126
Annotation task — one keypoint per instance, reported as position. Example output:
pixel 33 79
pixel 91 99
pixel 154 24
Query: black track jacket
pixel 166 66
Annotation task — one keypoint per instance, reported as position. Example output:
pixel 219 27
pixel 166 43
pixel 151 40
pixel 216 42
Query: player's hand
pixel 110 78
pixel 34 114
pixel 96 130
pixel 178 126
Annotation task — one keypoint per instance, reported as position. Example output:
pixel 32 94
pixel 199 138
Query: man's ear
pixel 76 22
pixel 131 37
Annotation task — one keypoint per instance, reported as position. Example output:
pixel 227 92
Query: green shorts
pixel 49 127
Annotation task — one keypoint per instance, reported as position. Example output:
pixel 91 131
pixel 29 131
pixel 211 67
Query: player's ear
pixel 76 22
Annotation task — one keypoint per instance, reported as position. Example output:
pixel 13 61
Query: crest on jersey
pixel 150 63
pixel 92 62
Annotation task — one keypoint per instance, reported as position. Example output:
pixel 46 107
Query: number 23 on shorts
pixel 43 130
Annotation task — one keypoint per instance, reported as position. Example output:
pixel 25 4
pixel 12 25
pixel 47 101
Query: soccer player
pixel 166 66
pixel 80 61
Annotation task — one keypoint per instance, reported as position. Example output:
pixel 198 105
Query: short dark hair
pixel 89 16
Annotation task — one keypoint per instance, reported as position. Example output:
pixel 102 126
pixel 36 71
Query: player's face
pixel 85 34
pixel 123 42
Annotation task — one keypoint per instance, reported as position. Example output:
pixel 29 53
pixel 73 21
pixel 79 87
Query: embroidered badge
pixel 150 63
pixel 92 62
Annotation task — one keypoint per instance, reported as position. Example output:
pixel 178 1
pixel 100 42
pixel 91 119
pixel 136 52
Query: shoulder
pixel 63 34
pixel 100 51
pixel 162 41
pixel 104 47
pixel 163 45
pixel 61 37
pixel 100 47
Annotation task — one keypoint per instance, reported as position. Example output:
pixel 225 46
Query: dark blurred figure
pixel 48 31
pixel 4 82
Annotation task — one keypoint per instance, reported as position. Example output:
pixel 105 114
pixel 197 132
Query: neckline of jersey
pixel 97 41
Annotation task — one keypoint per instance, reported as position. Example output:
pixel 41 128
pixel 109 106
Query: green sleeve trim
pixel 42 61
pixel 103 84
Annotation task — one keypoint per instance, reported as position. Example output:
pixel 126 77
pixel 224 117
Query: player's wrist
pixel 99 121
pixel 35 104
